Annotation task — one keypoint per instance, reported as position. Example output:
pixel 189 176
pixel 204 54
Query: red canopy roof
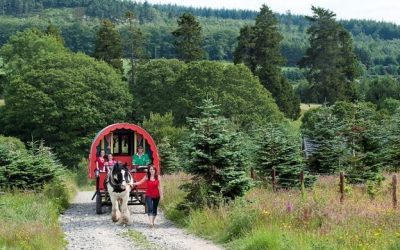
pixel 107 130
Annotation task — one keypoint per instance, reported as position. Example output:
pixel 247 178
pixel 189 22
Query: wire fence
pixel 276 183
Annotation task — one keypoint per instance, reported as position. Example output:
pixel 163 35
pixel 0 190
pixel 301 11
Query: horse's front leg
pixel 115 214
pixel 125 214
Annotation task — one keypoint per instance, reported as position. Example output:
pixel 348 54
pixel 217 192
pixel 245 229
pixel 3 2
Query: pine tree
pixel 214 158
pixel 347 138
pixel 137 52
pixel 108 45
pixel 245 50
pixel 168 157
pixel 188 38
pixel 259 48
pixel 392 153
pixel 330 61
pixel 280 151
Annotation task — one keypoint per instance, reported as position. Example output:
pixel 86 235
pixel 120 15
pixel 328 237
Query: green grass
pixel 140 239
pixel 262 220
pixel 1 102
pixel 29 221
pixel 303 108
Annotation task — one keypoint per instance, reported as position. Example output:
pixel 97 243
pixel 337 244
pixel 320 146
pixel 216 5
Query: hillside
pixel 376 43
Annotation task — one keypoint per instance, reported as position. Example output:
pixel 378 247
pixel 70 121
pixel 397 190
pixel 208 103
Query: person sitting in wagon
pixel 141 160
pixel 110 163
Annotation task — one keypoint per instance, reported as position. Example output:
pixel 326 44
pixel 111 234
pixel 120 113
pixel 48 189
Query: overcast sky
pixel 379 10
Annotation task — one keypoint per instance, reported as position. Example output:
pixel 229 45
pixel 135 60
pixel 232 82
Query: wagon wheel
pixel 99 209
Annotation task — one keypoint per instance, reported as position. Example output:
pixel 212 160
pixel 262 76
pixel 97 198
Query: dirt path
pixel 85 229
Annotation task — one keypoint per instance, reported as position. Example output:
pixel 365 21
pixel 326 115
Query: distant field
pixel 304 107
pixel 1 102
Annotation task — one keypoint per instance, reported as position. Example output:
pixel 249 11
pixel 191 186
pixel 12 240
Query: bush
pixel 28 169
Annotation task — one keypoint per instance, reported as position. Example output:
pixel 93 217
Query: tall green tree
pixel 188 38
pixel 135 42
pixel 259 48
pixel 108 45
pixel 214 159
pixel 245 50
pixel 168 157
pixel 59 96
pixel 331 63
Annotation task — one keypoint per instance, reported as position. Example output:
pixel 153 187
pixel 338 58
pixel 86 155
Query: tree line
pixel 376 43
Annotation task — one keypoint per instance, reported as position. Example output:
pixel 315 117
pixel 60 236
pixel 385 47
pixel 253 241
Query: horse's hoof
pixel 114 218
pixel 124 221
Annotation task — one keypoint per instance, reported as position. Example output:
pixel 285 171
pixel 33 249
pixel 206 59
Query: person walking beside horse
pixel 154 192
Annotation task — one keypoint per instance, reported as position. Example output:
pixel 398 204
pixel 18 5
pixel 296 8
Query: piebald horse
pixel 119 183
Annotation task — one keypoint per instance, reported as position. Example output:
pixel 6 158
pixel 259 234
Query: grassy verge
pixel 140 239
pixel 30 220
pixel 289 220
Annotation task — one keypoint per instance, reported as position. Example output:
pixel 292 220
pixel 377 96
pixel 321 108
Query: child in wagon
pixel 110 163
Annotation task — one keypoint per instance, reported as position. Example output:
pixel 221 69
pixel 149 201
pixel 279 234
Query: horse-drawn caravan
pixel 121 140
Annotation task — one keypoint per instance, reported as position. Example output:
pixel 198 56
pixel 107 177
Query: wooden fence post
pixel 273 179
pixel 301 178
pixel 394 191
pixel 341 187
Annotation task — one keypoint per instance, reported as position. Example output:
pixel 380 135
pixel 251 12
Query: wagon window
pixel 121 143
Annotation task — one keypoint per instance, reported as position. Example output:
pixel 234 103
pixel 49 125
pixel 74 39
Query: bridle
pixel 113 179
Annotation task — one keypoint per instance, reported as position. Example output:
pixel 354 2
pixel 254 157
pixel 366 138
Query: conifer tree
pixel 136 47
pixel 108 45
pixel 214 158
pixel 330 61
pixel 280 151
pixel 245 50
pixel 392 152
pixel 347 138
pixel 259 48
pixel 168 157
pixel 188 38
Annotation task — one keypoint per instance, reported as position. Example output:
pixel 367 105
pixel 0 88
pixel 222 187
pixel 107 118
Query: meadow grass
pixel 286 219
pixel 30 220
pixel 304 107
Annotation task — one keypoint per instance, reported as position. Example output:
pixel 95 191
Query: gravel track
pixel 85 229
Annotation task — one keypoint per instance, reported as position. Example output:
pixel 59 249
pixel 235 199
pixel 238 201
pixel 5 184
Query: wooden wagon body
pixel 121 140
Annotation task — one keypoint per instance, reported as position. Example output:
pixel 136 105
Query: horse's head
pixel 120 177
